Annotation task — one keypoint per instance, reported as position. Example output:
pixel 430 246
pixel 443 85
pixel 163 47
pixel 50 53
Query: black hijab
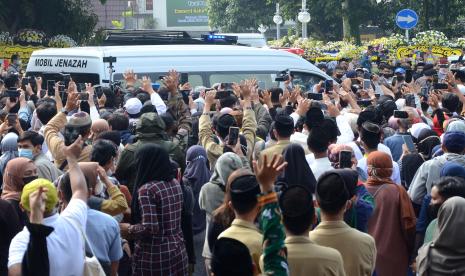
pixel 153 164
pixel 410 164
pixel 427 140
pixel 297 171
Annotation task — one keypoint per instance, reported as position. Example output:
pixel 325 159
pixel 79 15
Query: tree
pixel 70 17
pixel 239 15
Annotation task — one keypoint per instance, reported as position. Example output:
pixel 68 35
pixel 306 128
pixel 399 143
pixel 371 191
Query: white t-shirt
pixel 65 244
pixel 358 153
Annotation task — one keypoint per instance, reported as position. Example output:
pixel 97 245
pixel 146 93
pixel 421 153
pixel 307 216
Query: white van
pixel 248 39
pixel 205 64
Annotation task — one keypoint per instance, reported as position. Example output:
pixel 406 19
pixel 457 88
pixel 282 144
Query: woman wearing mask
pixel 156 216
pixel 196 175
pixel 9 150
pixel 212 193
pixel 18 172
pixel 445 255
pixel 392 224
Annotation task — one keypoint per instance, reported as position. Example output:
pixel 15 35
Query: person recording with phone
pixel 224 121
pixel 405 120
pixel 78 124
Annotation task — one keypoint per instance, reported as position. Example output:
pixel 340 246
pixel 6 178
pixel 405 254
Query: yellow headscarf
pixel 52 194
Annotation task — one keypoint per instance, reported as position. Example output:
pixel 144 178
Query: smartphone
pixel 98 91
pixel 262 85
pixel 364 103
pixel 315 96
pixel 51 87
pixel 409 142
pixel 408 75
pixel 81 87
pixel 328 86
pixel 345 159
pixel 11 119
pixel 424 93
pixel 440 86
pixel 184 78
pixel 25 81
pixel 394 80
pixel 70 134
pixel 233 136
pixel 377 96
pixel 83 96
pixel 435 78
pixel 61 88
pixel 400 114
pixel 185 96
pixel 366 84
pixel 223 94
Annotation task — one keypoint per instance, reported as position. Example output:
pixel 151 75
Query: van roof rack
pixel 152 37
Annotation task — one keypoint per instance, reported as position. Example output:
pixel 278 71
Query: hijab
pixel 454 169
pixel 13 177
pixel 197 171
pixel 9 149
pixel 445 255
pixel 215 189
pixel 153 164
pixel 410 164
pixel 379 168
pixel 297 170
pixel 379 173
pixel 225 165
pixel 427 140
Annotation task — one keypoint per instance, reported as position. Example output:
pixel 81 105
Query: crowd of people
pixel 363 175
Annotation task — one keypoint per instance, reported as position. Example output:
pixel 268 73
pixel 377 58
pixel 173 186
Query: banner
pixel 186 13
pixel 439 51
pixel 25 52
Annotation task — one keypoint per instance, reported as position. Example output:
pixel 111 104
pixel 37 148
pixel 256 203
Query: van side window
pixel 306 79
pixel 237 77
pixel 195 79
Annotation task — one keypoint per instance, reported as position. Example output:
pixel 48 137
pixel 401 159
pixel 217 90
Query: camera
pixel 283 76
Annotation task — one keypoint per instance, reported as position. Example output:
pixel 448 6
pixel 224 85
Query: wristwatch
pixel 64 111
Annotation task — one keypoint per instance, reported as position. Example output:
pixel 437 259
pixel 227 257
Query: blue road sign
pixel 406 19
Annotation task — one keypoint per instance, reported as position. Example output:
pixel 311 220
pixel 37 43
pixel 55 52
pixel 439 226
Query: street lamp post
pixel 304 18
pixel 278 20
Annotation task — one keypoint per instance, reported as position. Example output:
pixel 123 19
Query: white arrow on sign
pixel 408 19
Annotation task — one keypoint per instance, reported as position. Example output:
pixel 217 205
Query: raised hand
pixel 268 171
pixel 130 77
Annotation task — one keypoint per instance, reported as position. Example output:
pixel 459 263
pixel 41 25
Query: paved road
pixel 199 269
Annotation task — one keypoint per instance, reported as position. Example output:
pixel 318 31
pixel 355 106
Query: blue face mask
pixel 26 153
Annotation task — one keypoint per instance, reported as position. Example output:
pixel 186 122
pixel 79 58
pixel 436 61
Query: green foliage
pixel 327 16
pixel 73 18
pixel 239 15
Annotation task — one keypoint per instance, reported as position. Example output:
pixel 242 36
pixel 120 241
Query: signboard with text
pixel 439 51
pixel 180 13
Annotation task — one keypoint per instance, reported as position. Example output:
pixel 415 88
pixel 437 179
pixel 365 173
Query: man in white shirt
pixel 319 138
pixel 65 245
pixel 345 133
pixel 370 135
